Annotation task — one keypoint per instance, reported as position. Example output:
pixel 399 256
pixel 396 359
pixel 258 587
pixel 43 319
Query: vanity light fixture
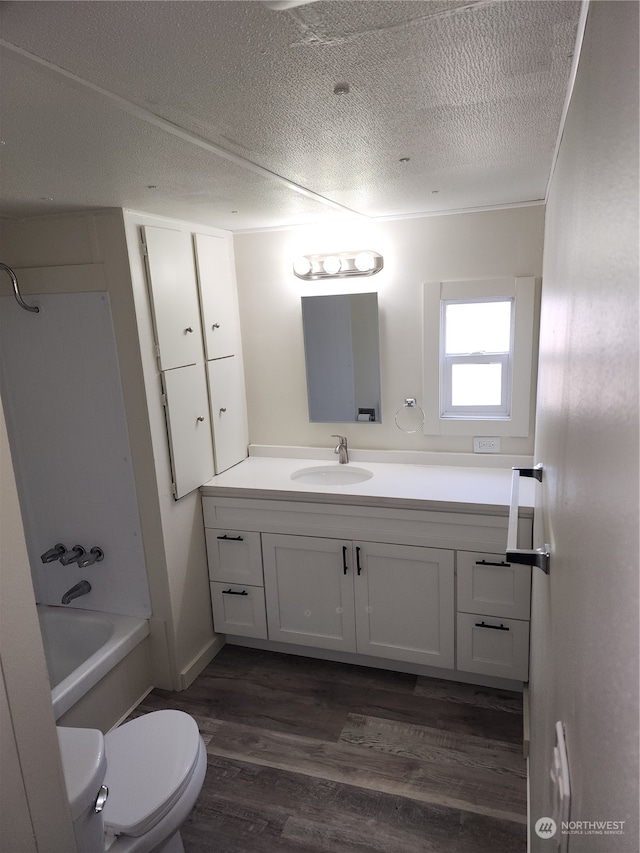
pixel 337 265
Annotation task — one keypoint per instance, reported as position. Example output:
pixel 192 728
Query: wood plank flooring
pixel 310 756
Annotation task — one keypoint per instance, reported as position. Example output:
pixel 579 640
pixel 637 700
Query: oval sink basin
pixel 332 475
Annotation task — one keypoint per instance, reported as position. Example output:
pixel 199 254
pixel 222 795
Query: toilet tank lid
pixel 84 766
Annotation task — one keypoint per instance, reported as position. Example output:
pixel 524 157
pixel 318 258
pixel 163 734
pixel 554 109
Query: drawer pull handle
pixel 499 627
pixel 244 592
pixel 231 538
pixel 345 567
pixel 358 566
pixel 489 563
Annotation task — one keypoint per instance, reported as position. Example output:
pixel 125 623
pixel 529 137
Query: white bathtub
pixel 82 646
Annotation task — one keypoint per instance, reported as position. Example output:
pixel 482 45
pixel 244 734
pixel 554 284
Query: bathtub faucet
pixel 54 553
pixel 81 588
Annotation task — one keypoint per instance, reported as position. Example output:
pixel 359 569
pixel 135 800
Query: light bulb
pixel 302 266
pixel 332 265
pixel 364 261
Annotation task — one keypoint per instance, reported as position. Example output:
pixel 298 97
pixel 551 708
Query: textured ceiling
pixel 230 106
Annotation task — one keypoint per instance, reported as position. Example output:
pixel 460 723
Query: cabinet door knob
pixel 188 329
pixel 216 326
pixel 200 418
pixel 223 409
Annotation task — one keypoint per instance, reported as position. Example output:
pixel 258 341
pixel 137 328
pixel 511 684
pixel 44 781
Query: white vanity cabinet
pixel 494 600
pixel 376 582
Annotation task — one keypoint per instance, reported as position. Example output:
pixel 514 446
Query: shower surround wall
pixel 68 431
pixel 182 640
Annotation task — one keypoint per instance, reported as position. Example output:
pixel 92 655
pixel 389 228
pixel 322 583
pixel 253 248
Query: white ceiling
pixel 227 109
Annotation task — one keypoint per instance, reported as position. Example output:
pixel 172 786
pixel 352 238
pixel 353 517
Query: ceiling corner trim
pixel 577 52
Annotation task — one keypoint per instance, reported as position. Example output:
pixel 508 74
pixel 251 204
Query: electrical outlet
pixel 485 444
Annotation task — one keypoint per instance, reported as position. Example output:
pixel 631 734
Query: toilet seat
pixel 150 762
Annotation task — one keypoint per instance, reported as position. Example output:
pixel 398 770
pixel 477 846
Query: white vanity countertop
pixel 406 486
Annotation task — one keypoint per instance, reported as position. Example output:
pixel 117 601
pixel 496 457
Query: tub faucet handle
pixel 95 555
pixel 72 556
pixel 54 553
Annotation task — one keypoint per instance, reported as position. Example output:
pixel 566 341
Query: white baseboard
pixel 206 654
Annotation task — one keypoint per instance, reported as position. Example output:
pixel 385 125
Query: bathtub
pixel 81 647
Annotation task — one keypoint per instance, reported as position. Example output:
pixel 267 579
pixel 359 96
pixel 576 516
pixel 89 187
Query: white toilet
pixel 153 767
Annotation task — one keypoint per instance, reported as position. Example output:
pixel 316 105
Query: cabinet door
pixel 189 427
pixel 174 296
pixel 405 603
pixel 309 591
pixel 218 296
pixel 228 411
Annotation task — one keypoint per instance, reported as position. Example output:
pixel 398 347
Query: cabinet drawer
pixel 488 584
pixel 239 610
pixel 234 556
pixel 493 646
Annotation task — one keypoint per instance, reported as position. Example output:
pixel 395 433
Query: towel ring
pixel 410 403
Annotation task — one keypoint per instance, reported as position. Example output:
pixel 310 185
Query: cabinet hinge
pixel 145 251
pixel 174 490
pixel 163 400
pixel 157 348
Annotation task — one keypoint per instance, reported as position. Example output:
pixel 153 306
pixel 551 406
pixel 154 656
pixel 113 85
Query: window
pixel 478 346
pixel 476 340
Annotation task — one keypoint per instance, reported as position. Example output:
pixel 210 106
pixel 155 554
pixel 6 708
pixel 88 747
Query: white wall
pixel 493 244
pixel 34 812
pixel 584 668
pixel 65 411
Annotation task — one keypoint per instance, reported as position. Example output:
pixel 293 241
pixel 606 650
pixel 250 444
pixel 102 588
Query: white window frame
pixel 513 421
pixel 447 362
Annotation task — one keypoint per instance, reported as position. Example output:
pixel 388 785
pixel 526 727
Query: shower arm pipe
pixel 16 289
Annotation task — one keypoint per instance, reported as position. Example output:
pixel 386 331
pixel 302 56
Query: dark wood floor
pixel 307 755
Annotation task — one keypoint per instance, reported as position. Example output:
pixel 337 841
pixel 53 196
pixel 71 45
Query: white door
pixel 309 591
pixel 228 411
pixel 218 296
pixel 174 296
pixel 189 427
pixel 405 603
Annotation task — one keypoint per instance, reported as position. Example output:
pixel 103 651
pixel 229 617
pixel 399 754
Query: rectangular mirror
pixel 342 355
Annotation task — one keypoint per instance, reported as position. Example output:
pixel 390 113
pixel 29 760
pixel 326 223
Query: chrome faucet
pixel 81 588
pixel 95 555
pixel 54 553
pixel 72 556
pixel 341 449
